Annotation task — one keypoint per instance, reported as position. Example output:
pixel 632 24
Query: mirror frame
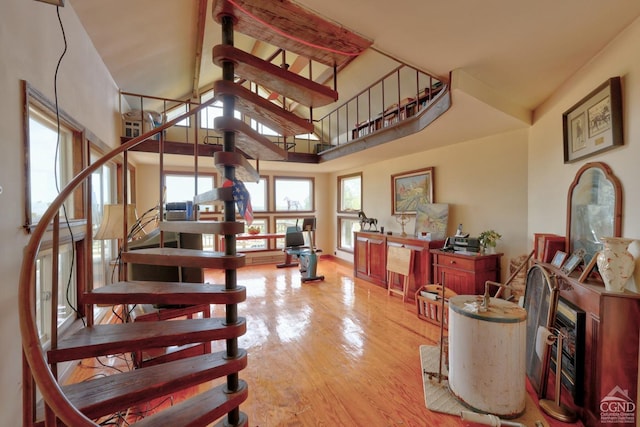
pixel 617 206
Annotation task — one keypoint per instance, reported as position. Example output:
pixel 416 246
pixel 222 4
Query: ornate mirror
pixel 594 208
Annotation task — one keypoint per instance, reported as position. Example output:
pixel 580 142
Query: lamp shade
pixel 112 224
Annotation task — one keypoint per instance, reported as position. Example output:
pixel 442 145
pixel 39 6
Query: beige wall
pixel 483 181
pixel 549 177
pixel 30 44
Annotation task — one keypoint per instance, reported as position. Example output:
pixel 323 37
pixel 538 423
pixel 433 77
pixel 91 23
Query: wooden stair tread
pixel 222 194
pixel 202 227
pixel 105 395
pixel 249 141
pixel 100 340
pixel 263 110
pixel 142 292
pixel 290 85
pixel 293 19
pixel 245 172
pixel 200 410
pixel 183 258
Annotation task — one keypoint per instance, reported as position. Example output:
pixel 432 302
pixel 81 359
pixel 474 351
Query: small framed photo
pixel 588 269
pixel 573 261
pixel 558 259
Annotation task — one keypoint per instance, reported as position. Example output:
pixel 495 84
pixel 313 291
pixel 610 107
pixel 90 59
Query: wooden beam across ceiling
pixel 201 21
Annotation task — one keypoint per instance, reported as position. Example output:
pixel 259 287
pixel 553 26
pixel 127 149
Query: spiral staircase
pixel 82 404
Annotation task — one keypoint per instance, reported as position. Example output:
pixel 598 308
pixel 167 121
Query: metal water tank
pixel 487 364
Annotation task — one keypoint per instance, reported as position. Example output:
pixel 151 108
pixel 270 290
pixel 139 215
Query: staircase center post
pixel 228 107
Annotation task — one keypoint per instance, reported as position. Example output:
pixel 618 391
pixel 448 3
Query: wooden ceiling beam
pixel 201 21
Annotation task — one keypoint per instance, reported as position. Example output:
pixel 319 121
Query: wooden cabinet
pixel 465 274
pixel 370 258
pixel 612 351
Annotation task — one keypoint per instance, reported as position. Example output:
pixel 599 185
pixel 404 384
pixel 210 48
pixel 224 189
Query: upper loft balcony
pixel 402 102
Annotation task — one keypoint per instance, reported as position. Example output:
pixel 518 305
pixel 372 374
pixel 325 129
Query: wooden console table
pixel 465 274
pixel 370 258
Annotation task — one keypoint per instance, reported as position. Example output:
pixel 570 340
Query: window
pixel 350 193
pixel 262 129
pixel 178 111
pixel 254 244
pixel 346 227
pixel 182 187
pixel 281 227
pixel 207 115
pixel 104 251
pixel 258 193
pixel 67 303
pixel 50 164
pixel 294 194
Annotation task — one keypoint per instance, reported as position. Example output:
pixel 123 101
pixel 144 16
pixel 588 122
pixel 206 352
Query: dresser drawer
pixel 456 262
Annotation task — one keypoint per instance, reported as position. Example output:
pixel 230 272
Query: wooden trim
pixel 201 21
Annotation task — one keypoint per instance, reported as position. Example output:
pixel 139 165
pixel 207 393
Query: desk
pixel 268 237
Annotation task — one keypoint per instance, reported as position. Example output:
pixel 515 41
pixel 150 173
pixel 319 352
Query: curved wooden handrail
pixel 33 352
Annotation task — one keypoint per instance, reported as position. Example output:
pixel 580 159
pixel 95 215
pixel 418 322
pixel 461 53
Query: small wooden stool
pixel 399 261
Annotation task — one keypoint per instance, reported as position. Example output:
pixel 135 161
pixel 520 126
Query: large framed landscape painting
pixel 410 190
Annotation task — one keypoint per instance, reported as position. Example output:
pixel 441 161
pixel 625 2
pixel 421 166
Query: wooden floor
pixel 339 352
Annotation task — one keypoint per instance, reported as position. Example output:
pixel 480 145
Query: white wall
pixel 549 177
pixel 30 44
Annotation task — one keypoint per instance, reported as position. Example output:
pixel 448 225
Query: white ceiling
pixel 521 50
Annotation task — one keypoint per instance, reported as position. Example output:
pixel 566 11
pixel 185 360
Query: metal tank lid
pixel 499 310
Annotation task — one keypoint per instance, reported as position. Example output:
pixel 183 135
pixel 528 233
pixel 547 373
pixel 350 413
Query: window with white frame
pixel 258 193
pixel 294 194
pixel 208 115
pixel 346 227
pixel 177 112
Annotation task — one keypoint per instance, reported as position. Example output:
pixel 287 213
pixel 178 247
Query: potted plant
pixel 489 240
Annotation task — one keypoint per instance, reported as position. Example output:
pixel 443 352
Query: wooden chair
pixel 400 262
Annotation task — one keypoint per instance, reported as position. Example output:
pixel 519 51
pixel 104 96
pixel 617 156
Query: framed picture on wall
pixel 594 124
pixel 410 190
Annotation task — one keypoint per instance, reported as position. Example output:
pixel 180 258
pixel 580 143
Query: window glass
pixel 207 115
pixel 50 163
pixel 350 193
pixel 67 302
pixel 182 188
pixel 258 193
pixel 104 251
pixel 294 194
pixel 346 228
pixel 178 111
pixel 281 227
pixel 262 129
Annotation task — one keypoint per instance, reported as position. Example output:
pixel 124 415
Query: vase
pixel 489 250
pixel 615 263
